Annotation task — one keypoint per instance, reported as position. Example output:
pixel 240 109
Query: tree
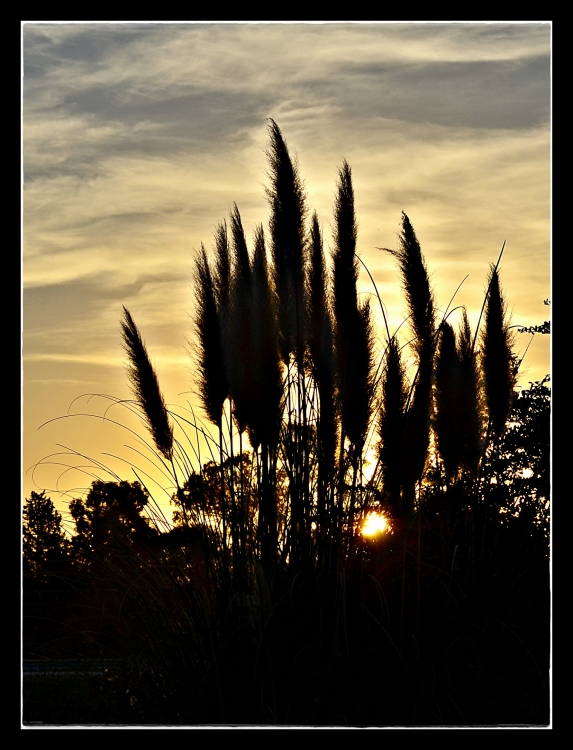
pixel 110 517
pixel 44 541
pixel 517 474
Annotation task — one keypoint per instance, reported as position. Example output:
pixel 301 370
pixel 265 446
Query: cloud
pixel 203 84
pixel 139 137
pixel 483 94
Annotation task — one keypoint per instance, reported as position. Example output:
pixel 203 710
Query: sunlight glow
pixel 374 524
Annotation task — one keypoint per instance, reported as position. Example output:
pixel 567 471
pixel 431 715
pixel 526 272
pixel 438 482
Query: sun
pixel 374 525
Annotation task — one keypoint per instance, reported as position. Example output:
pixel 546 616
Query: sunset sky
pixel 138 138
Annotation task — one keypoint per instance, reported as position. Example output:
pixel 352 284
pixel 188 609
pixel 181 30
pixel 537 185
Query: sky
pixel 139 137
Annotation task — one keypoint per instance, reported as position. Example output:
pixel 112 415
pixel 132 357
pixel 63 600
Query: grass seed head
pixel 145 387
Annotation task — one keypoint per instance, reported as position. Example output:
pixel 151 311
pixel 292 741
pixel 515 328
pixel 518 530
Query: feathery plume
pixel 353 323
pixel 361 373
pixel 322 361
pixel 286 198
pixel 391 424
pixel 317 299
pixel 345 301
pixel 239 332
pixel 345 263
pixel 416 287
pixel 265 416
pixel 145 387
pixel 264 355
pixel 213 386
pixel 241 263
pixel 320 342
pixel 447 422
pixel 222 274
pixel 497 357
pixel 469 398
pixel 422 320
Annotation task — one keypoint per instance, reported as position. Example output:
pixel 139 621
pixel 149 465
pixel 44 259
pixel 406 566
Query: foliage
pixel 108 515
pixel 44 541
pixel 545 327
pixel 518 468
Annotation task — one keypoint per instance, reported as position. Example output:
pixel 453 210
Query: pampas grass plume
pixel 145 387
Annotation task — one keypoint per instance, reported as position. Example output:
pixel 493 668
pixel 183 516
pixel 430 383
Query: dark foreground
pixel 446 640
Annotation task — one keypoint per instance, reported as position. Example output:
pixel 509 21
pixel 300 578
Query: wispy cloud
pixel 139 137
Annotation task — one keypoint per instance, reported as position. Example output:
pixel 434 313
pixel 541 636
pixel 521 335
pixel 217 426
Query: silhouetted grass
pixel 146 387
pixel 498 361
pixel 266 605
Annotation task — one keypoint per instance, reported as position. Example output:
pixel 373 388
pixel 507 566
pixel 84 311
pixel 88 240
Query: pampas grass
pixel 447 423
pixel 391 426
pixel 213 383
pixel 497 359
pixel 287 202
pixel 145 387
pixel 239 330
pixel 354 342
pixel 469 403
pixel 420 299
pixel 266 604
pixel 323 368
pixel 353 322
pixel 417 290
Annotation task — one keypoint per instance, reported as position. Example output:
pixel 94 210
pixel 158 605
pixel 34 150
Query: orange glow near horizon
pixel 374 524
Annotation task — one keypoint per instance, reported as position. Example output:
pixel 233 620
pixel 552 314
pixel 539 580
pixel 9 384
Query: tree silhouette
pixel 45 545
pixel 109 518
pixel 517 473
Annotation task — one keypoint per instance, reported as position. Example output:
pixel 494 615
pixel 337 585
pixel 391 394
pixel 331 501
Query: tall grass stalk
pixel 420 299
pixel 145 387
pixel 497 358
pixel 354 340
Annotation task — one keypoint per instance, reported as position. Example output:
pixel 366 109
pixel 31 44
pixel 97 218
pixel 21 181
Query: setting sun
pixel 375 524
